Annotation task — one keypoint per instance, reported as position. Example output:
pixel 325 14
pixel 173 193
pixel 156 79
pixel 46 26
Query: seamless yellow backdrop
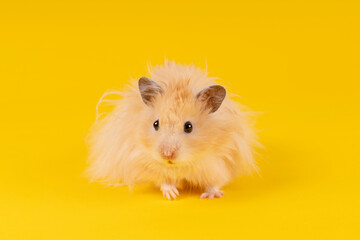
pixel 296 62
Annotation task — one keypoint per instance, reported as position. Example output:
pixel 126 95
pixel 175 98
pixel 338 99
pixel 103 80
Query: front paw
pixel 169 191
pixel 212 192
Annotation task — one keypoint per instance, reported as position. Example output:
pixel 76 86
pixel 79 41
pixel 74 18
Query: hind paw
pixel 212 192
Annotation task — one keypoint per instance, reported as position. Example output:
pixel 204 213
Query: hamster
pixel 176 128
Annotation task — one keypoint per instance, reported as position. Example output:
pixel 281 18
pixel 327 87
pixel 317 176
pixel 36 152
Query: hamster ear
pixel 148 90
pixel 212 97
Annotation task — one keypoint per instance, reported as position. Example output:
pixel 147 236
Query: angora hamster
pixel 176 128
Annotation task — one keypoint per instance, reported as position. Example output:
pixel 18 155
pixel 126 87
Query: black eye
pixel 156 125
pixel 188 127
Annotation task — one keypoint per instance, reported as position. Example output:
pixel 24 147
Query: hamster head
pixel 177 120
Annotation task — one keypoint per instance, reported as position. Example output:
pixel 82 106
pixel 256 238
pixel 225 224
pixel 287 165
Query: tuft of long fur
pixel 124 148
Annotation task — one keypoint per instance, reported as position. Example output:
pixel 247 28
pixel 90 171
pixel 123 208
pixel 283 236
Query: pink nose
pixel 168 153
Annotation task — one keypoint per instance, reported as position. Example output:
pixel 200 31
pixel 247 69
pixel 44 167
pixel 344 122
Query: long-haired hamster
pixel 176 128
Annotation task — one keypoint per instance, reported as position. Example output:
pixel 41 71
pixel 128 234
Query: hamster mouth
pixel 170 163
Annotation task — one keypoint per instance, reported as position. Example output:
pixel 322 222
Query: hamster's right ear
pixel 148 90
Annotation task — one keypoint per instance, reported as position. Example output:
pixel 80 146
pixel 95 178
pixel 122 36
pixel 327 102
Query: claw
pixel 168 196
pixel 204 195
pixel 172 193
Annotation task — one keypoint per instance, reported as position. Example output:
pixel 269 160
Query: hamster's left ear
pixel 212 97
pixel 148 90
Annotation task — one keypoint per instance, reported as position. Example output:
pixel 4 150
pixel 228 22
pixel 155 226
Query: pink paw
pixel 210 193
pixel 169 191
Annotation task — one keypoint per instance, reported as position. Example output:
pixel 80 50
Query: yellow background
pixel 297 62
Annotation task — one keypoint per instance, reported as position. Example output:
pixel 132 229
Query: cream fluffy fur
pixel 125 148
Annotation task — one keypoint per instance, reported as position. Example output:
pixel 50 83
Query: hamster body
pixel 177 128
